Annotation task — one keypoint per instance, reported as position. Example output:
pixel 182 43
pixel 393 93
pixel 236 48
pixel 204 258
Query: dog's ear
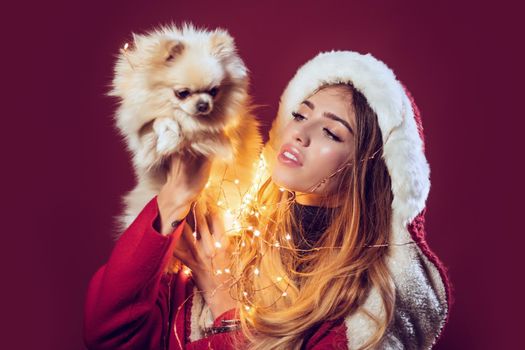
pixel 222 44
pixel 173 49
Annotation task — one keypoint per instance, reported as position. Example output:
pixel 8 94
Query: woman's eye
pixel 297 116
pixel 332 135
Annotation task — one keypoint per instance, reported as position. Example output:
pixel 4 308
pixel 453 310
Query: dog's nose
pixel 203 106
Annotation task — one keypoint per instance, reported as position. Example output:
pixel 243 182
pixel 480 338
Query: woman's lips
pixel 289 156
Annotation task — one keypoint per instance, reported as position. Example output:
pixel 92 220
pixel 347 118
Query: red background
pixel 65 168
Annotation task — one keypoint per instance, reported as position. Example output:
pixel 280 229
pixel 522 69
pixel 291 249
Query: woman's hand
pixel 205 253
pixel 186 178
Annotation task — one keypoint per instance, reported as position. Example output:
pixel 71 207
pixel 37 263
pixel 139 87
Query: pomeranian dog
pixel 185 90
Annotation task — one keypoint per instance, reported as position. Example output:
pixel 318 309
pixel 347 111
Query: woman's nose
pixel 301 135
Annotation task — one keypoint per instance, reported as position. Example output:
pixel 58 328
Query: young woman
pixel 331 254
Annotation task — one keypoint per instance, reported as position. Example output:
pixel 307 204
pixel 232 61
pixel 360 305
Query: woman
pixel 331 254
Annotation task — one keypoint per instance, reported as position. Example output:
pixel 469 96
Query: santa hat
pixel 423 295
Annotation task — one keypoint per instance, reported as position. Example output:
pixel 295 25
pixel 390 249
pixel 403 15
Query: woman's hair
pixel 282 304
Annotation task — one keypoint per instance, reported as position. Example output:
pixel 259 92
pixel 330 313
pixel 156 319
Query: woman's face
pixel 315 143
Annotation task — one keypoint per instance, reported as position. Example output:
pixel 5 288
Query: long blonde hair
pixel 280 305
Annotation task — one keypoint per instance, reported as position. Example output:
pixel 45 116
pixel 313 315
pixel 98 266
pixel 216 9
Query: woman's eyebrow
pixel 340 120
pixel 308 104
pixel 330 115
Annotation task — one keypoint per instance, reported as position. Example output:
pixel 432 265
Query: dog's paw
pixel 168 135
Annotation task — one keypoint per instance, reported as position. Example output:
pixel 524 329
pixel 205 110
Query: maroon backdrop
pixel 65 168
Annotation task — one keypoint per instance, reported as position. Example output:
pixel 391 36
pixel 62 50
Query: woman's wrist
pixel 173 212
pixel 219 301
pixel 216 293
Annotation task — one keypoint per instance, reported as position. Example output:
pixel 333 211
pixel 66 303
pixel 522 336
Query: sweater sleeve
pixel 125 306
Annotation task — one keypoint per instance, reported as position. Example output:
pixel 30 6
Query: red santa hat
pixel 423 295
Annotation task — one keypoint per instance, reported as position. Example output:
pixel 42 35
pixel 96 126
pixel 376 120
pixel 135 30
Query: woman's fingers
pixel 185 249
pixel 217 228
pixel 205 239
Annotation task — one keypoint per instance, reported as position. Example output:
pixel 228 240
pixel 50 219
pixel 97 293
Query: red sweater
pixel 132 304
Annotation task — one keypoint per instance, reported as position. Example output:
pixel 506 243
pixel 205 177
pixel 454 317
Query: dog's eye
pixel 213 91
pixel 182 94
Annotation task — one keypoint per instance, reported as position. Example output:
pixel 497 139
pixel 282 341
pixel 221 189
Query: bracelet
pixel 227 326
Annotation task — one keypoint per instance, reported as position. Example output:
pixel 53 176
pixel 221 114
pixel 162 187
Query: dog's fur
pixel 161 80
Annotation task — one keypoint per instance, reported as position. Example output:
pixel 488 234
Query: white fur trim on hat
pixel 403 150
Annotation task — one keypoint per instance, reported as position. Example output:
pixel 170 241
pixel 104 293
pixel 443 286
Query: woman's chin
pixel 287 181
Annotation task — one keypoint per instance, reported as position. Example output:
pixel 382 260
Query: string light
pixel 247 210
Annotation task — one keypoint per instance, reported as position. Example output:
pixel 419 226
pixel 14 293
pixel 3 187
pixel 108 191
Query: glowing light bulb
pixel 284 294
pixel 245 294
pixel 218 244
pixel 218 272
pixel 186 271
pixel 256 233
pixel 227 270
pixel 256 271
pixel 281 189
pixel 288 237
pixel 279 278
pixel 219 202
pixel 194 234
pixel 277 244
pixel 236 181
pixel 247 307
